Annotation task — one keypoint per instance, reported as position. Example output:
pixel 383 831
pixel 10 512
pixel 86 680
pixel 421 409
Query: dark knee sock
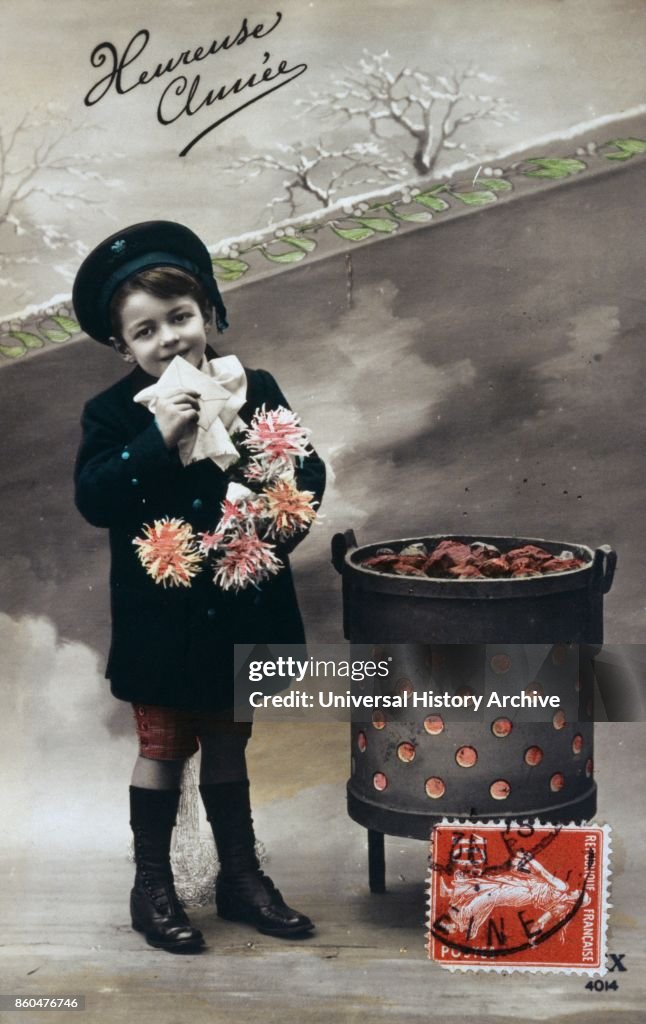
pixel 228 810
pixel 222 758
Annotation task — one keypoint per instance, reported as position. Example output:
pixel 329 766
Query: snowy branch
pixel 320 171
pixel 429 109
pixel 42 157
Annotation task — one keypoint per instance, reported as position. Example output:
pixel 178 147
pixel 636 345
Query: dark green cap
pixel 154 243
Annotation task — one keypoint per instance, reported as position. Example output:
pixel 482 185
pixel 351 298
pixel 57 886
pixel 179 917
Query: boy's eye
pixel 179 317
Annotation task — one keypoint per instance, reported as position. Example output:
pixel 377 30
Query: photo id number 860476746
pixel 41 1002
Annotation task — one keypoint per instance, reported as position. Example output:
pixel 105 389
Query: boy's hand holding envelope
pixel 176 415
pixel 197 410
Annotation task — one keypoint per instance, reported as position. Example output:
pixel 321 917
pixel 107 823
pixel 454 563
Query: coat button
pixel 125 456
pixel 134 482
pixel 211 612
pixel 197 504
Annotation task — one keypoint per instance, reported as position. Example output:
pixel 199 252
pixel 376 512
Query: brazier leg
pixel 376 861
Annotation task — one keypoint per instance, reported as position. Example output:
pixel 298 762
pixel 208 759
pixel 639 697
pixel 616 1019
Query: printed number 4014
pixel 602 986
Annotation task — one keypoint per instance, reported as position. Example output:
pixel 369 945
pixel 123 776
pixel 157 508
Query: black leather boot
pixel 242 891
pixel 154 906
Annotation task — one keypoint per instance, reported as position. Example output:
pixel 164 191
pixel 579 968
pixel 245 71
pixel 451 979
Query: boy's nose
pixel 168 334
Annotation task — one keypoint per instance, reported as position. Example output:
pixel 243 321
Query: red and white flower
pixel 260 470
pixel 240 508
pixel 168 552
pixel 208 542
pixel 288 509
pixel 247 559
pixel 277 434
pixel 233 516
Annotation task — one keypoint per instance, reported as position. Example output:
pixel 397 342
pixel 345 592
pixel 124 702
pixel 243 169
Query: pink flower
pixel 210 541
pixel 288 508
pixel 247 559
pixel 233 515
pixel 168 552
pixel 256 508
pixel 277 434
pixel 260 470
pixel 241 515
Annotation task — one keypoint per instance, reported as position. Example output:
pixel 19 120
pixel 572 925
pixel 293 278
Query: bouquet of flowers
pixel 263 506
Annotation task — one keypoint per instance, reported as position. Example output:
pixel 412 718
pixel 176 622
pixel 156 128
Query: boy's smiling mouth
pixel 169 358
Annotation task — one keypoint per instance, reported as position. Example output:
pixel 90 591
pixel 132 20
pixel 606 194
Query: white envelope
pixel 222 392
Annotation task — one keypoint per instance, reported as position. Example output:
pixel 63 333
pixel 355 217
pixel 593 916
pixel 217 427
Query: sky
pixel 557 62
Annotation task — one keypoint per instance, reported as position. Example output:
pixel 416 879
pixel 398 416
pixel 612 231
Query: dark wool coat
pixel 173 646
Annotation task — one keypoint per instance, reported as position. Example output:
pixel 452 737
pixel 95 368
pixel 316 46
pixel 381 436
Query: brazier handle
pixel 603 569
pixel 341 544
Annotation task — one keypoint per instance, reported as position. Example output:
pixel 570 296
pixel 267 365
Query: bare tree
pixel 430 110
pixel 321 172
pixel 36 161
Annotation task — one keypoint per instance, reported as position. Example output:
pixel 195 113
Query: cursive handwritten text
pixel 184 96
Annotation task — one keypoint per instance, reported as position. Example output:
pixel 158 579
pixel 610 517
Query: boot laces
pixel 161 889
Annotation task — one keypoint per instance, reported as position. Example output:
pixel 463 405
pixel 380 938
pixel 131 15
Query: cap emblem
pixel 118 247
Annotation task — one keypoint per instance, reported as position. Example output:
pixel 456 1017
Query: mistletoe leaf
pixel 498 184
pixel 293 256
pixel 548 167
pixel 67 324
pixel 307 244
pixel 229 264
pixel 57 336
pixel 28 339
pixel 433 201
pixel 479 198
pixel 229 269
pixel 12 351
pixel 416 218
pixel 625 148
pixel 377 224
pixel 353 234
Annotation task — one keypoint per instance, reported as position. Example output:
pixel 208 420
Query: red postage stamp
pixel 528 897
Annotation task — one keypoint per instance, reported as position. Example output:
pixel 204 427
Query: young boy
pixel 149 291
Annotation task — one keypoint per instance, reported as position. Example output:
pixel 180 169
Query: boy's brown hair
pixel 163 283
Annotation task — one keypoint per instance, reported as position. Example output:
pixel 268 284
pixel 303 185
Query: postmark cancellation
pixel 519 897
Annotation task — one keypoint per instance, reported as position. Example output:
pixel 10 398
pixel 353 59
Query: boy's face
pixel 154 331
